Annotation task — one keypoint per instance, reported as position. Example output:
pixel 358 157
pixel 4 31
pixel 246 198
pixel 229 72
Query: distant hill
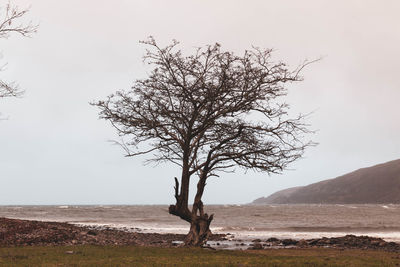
pixel 373 185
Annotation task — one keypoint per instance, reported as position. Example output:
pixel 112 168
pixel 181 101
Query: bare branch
pixel 10 22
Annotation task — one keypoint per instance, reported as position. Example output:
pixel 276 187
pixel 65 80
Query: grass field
pixel 149 256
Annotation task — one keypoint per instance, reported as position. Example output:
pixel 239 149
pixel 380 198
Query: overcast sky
pixel 54 150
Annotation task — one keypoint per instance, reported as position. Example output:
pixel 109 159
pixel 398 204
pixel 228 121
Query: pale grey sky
pixel 54 150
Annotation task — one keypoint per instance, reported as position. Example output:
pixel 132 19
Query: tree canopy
pixel 208 112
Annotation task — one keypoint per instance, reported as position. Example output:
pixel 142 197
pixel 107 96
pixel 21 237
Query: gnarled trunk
pixel 199 231
pixel 199 226
pixel 199 221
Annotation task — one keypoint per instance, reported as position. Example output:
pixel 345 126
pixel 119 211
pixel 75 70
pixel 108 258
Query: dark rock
pixel 256 246
pixel 289 242
pixel 91 232
pixel 302 243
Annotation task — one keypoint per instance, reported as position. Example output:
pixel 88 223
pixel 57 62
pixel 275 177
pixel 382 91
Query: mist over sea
pixel 245 222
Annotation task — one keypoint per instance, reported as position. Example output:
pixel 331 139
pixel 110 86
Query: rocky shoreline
pixel 344 242
pixel 15 232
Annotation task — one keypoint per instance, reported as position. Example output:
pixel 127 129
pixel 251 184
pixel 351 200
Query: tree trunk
pixel 199 231
pixel 199 221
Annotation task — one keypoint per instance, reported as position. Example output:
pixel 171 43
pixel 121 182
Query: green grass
pixel 146 256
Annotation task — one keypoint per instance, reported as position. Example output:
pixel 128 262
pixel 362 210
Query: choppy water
pixel 243 221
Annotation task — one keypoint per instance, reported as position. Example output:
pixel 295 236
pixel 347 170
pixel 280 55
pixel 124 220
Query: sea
pixel 242 223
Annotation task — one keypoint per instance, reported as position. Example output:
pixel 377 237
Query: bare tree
pixel 10 23
pixel 207 113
